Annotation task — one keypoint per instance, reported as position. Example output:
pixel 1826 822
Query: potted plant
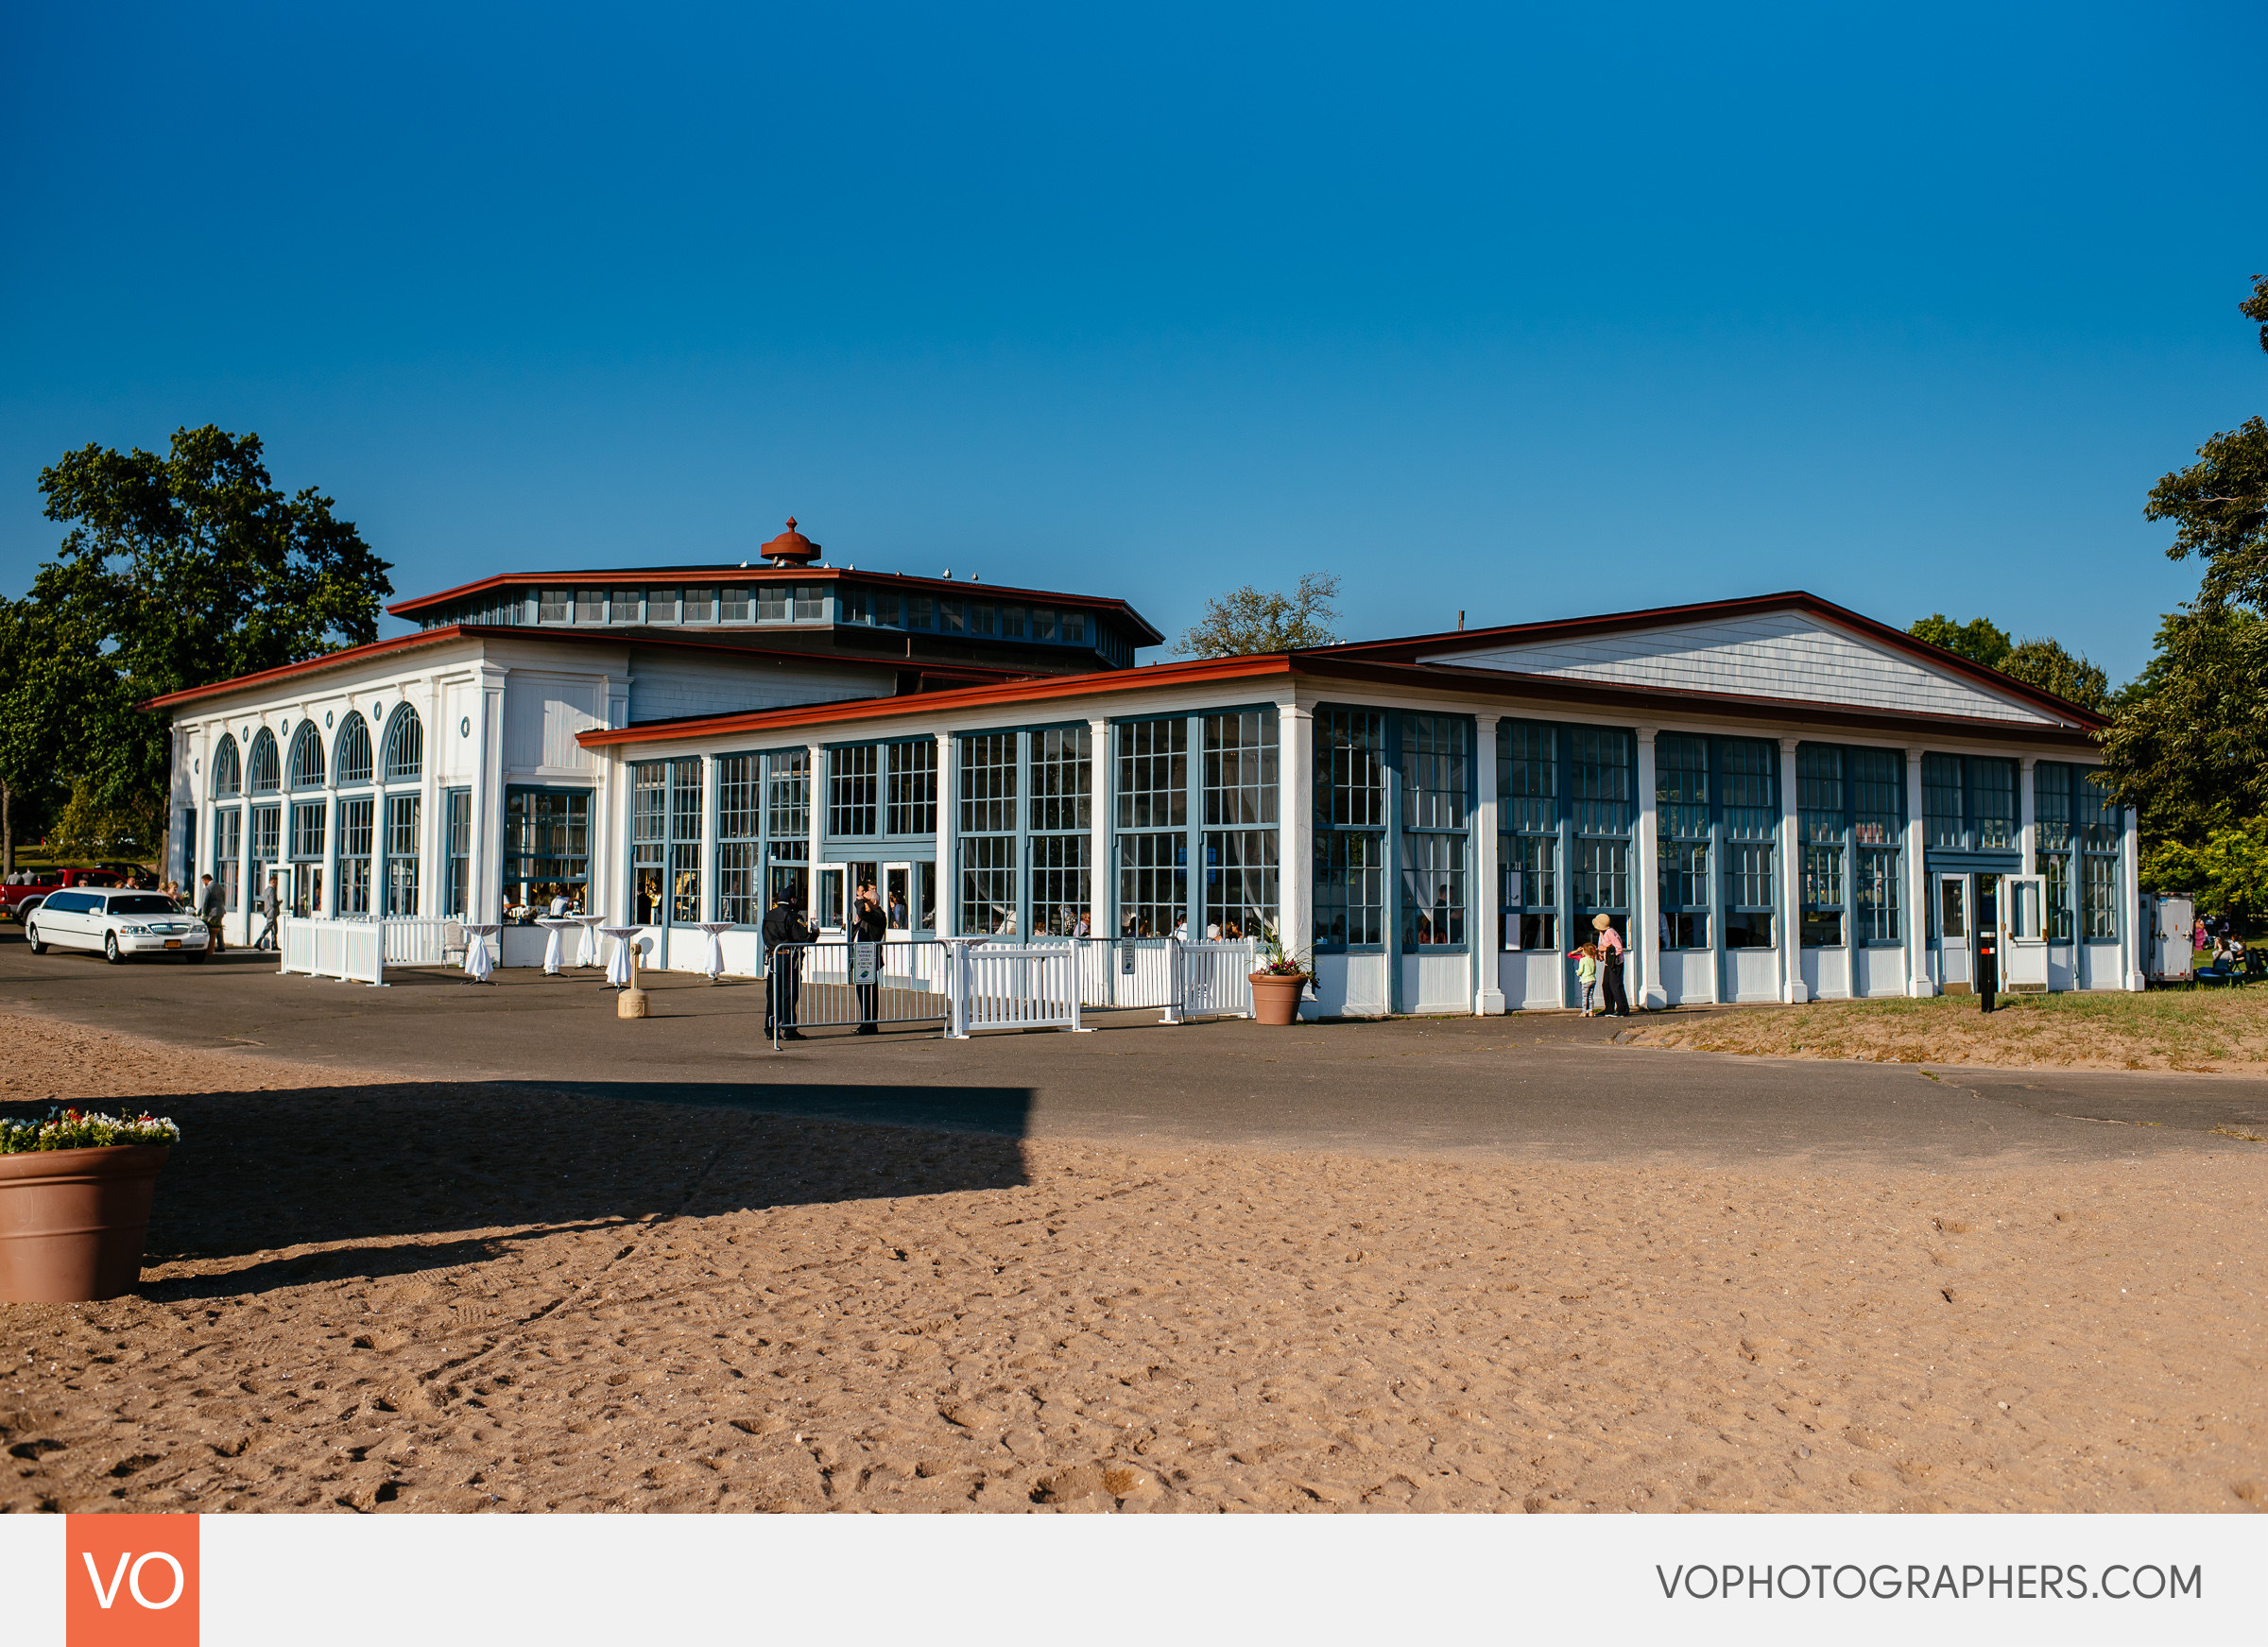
pixel 1280 983
pixel 75 1193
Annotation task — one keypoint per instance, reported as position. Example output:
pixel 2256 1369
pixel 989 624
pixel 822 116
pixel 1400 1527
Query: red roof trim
pixel 353 654
pixel 1039 689
pixel 636 577
pixel 1407 647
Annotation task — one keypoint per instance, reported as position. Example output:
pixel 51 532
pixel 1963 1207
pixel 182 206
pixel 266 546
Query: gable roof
pixel 1791 647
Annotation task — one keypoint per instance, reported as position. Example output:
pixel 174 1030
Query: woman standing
pixel 1616 1003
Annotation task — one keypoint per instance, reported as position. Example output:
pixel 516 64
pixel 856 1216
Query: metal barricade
pixel 838 985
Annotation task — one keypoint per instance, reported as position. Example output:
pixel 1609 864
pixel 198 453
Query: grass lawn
pixel 2218 1029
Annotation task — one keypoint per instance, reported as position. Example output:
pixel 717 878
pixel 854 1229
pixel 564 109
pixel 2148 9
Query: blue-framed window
pixel 306 758
pixel 358 826
pixel 1748 801
pixel 988 770
pixel 910 774
pixel 548 845
pixel 1822 826
pixel 787 826
pixel 1682 826
pixel 1602 793
pixel 2079 838
pixel 1968 802
pixel 1878 832
pixel 853 791
pixel 228 854
pixel 228 773
pixel 402 819
pixel 1151 802
pixel 262 778
pixel 456 848
pixel 1242 833
pixel 1351 777
pixel 1528 829
pixel 1437 790
pixel 1059 892
pixel 665 842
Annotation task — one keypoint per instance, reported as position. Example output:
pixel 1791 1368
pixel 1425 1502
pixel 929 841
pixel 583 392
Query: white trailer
pixel 2168 929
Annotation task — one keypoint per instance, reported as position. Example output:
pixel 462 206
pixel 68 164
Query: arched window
pixel 228 776
pixel 265 779
pixel 404 747
pixel 350 756
pixel 306 758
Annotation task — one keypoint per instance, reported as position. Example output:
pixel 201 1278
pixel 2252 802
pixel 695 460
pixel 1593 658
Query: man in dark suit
pixel 783 927
pixel 870 926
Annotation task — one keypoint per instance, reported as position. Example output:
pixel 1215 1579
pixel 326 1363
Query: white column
pixel 484 891
pixel 331 903
pixel 433 822
pixel 1101 907
pixel 2130 914
pixel 949 836
pixel 1791 988
pixel 611 817
pixel 708 881
pixel 1917 885
pixel 1487 903
pixel 818 824
pixel 1645 886
pixel 1295 829
pixel 244 844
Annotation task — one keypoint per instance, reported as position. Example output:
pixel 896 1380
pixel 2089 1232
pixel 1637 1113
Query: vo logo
pixel 130 1581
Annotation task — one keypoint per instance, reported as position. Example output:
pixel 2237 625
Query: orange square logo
pixel 129 1581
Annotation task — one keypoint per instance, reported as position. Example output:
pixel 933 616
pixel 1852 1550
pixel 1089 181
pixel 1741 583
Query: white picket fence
pixel 358 952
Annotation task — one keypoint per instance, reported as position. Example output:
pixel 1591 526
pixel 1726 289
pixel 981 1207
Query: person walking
pixel 212 908
pixel 871 925
pixel 1614 1003
pixel 271 907
pixel 784 928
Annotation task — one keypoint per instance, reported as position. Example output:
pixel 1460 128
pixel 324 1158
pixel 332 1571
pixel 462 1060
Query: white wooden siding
pixel 1782 655
pixel 541 715
pixel 663 687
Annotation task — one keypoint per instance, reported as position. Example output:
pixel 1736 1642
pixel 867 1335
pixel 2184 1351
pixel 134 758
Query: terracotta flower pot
pixel 72 1222
pixel 1276 997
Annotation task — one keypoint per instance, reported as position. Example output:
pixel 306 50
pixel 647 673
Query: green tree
pixel 2219 504
pixel 1249 620
pixel 1980 640
pixel 2225 868
pixel 2040 662
pixel 177 571
pixel 2188 747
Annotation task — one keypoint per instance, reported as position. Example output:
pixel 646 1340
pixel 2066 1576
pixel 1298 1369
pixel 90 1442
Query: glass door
pixel 898 896
pixel 829 913
pixel 1950 921
pixel 2023 931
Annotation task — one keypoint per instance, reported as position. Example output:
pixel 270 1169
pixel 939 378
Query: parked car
pixel 21 901
pixel 120 924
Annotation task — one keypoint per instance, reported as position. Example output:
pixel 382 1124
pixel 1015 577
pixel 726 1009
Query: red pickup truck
pixel 21 901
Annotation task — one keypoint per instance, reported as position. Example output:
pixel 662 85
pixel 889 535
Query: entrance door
pixel 307 889
pixel 898 896
pixel 829 913
pixel 1952 922
pixel 2023 931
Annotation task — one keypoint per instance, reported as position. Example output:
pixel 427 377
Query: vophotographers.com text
pixel 1889 1582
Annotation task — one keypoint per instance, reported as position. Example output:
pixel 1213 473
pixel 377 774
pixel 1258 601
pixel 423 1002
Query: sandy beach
pixel 434 1296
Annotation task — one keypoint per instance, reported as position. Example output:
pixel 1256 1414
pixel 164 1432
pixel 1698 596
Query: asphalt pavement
pixel 1550 1085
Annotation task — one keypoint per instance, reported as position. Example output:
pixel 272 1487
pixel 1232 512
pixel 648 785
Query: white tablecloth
pixel 555 947
pixel 588 956
pixel 717 929
pixel 477 949
pixel 618 964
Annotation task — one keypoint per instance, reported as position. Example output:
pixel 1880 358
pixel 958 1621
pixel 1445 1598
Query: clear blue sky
pixel 1529 312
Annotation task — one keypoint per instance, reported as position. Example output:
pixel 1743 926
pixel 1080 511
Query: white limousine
pixel 118 923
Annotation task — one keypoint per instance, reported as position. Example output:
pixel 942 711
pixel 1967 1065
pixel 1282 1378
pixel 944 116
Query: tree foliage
pixel 2041 662
pixel 2189 747
pixel 1250 620
pixel 2224 868
pixel 175 571
pixel 2219 504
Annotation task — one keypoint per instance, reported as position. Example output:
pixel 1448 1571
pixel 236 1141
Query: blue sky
pixel 1526 312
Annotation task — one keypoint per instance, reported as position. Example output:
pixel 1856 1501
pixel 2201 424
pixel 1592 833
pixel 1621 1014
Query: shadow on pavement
pixel 387 1169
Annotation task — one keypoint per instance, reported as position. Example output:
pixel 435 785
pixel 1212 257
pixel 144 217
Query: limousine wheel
pixel 110 948
pixel 32 936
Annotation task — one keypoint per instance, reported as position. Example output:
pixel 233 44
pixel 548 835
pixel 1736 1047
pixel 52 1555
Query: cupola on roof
pixel 790 548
